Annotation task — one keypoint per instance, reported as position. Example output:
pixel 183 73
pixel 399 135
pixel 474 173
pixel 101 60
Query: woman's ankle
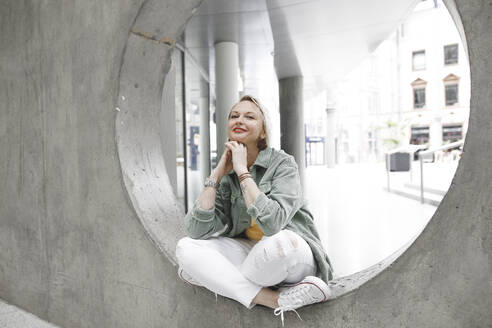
pixel 267 297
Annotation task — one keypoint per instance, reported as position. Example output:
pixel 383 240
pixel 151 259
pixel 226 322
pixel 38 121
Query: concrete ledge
pixel 13 317
pixel 145 64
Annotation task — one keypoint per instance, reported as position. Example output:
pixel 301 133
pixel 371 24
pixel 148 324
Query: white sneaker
pixel 310 290
pixel 187 278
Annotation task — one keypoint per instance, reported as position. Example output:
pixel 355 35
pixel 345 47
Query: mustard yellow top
pixel 254 232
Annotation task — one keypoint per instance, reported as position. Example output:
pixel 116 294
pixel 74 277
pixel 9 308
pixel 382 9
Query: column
pixel 204 108
pixel 226 88
pixel 330 146
pixel 435 133
pixel 292 138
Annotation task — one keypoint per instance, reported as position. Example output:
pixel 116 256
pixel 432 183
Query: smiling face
pixel 245 124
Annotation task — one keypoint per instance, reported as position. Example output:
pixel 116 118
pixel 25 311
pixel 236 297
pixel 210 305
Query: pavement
pixel 14 317
pixel 359 221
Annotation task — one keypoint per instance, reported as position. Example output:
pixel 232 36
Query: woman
pixel 249 227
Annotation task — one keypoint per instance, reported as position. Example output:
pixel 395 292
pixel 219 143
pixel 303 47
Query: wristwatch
pixel 210 183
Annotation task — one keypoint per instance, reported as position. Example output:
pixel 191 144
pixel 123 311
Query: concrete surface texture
pixel 88 220
pixel 13 317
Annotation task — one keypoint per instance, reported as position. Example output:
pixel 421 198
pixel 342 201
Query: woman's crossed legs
pixel 241 269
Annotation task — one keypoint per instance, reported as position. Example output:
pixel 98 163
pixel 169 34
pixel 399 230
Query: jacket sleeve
pixel 203 224
pixel 274 208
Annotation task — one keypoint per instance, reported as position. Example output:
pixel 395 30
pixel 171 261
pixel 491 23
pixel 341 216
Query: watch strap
pixel 210 183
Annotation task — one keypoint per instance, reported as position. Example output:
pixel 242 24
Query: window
pixel 419 97
pixel 451 89
pixel 419 93
pixel 451 54
pixel 418 60
pixel 451 94
pixel 452 133
pixel 420 135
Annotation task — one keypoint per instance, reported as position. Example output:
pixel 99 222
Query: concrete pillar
pixel 330 146
pixel 226 87
pixel 292 139
pixel 204 108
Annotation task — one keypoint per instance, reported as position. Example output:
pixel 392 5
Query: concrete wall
pixel 88 220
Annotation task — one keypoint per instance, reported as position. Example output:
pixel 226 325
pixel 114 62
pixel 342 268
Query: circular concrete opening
pixel 412 277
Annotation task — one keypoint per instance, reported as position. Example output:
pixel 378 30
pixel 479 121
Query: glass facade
pixel 420 135
pixel 452 133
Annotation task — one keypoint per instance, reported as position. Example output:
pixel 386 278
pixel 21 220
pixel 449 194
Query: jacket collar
pixel 263 159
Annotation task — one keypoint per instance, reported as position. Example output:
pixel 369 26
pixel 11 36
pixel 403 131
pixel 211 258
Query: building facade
pixel 413 89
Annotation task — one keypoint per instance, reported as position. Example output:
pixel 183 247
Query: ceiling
pixel 322 40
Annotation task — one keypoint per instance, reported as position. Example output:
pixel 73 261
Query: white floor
pixel 360 223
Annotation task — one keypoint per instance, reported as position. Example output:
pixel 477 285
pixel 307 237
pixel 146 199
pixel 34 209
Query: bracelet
pixel 210 183
pixel 244 176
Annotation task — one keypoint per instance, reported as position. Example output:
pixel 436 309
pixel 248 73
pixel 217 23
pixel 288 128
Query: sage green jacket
pixel 279 206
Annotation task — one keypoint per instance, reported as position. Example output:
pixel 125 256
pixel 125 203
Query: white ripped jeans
pixel 238 268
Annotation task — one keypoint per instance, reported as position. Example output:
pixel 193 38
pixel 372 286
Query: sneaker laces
pixel 295 298
pixel 281 309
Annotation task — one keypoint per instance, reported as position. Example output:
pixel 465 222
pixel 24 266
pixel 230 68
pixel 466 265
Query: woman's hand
pixel 224 165
pixel 239 156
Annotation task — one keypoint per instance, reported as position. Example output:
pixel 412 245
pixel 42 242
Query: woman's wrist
pixel 215 176
pixel 243 176
pixel 242 171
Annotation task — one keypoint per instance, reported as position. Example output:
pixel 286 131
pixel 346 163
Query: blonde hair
pixel 267 127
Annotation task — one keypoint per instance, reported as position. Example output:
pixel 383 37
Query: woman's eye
pixel 237 116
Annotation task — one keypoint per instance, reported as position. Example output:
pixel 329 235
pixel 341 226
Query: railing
pixel 426 153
